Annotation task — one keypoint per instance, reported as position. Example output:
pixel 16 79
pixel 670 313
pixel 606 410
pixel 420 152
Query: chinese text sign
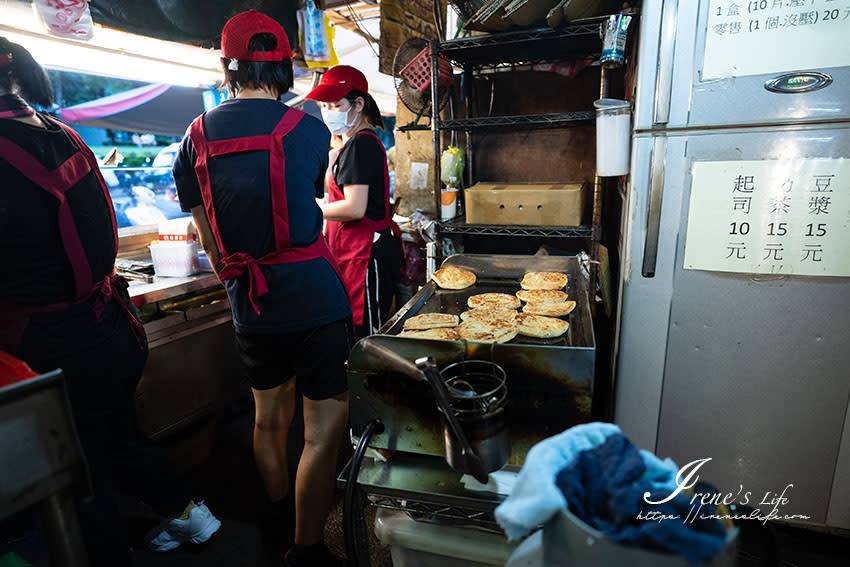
pixel 770 217
pixel 753 37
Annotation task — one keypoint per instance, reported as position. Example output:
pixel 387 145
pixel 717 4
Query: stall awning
pixel 196 22
pixel 159 108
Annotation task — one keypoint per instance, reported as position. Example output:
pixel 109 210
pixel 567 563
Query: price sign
pixel 770 217
pixel 753 37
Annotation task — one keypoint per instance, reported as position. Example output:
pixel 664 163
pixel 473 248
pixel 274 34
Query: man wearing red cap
pixel 359 228
pixel 250 171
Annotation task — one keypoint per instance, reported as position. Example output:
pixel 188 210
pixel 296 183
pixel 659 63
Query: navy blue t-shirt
pixel 301 295
pixel 35 269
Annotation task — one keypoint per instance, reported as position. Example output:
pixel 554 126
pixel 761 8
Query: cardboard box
pixel 545 204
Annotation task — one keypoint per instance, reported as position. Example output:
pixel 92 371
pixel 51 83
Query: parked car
pixel 166 156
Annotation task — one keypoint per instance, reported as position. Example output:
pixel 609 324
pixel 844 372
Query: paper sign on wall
pixel 753 37
pixel 770 217
pixel 418 175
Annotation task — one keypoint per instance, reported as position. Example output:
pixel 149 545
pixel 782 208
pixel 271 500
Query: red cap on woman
pixel 337 82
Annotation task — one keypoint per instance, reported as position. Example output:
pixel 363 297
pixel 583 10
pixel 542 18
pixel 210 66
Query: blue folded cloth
pixel 604 486
pixel 535 497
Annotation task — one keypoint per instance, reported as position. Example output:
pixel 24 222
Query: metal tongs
pixel 426 369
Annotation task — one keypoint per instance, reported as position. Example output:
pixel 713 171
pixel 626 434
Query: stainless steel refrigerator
pixel 734 320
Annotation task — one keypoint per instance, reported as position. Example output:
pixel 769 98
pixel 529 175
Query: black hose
pixel 353 520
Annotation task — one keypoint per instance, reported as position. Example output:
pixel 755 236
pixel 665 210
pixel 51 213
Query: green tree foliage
pixel 74 88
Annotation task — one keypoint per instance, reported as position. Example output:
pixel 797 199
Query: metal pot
pixel 478 394
pixel 471 403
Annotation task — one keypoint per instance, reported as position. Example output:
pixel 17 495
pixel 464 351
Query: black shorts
pixel 316 357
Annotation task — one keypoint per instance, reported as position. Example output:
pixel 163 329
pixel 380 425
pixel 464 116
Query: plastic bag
pixel 413 270
pixel 451 166
pixel 316 37
pixel 65 18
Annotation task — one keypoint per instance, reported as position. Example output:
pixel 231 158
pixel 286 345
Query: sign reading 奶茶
pixel 770 217
pixel 753 37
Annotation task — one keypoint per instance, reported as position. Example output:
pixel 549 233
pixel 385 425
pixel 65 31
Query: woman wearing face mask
pixel 360 231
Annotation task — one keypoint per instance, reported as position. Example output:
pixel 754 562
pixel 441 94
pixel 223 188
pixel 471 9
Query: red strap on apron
pixel 351 241
pixel 239 263
pixel 95 167
pixel 15 317
pixel 56 182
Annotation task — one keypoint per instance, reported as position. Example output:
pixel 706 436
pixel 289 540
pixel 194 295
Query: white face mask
pixel 336 120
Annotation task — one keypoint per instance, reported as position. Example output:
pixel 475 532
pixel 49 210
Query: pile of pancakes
pixel 493 317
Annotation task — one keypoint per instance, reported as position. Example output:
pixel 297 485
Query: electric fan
pixel 412 76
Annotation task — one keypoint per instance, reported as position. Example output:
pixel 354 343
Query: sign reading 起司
pixel 770 217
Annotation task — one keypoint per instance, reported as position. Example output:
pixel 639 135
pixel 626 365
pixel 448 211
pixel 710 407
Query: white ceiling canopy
pixel 111 52
pixel 128 56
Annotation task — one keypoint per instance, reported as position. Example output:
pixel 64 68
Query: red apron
pixel 237 264
pixel 351 241
pixel 14 318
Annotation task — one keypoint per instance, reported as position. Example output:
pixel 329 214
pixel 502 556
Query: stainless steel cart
pixel 42 462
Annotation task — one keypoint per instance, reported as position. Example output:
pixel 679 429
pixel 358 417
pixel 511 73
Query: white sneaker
pixel 198 528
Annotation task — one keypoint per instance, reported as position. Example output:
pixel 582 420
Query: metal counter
pixel 193 369
pixel 169 288
pixel 425 485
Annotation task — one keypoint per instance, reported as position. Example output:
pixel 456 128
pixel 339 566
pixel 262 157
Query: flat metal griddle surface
pixel 503 274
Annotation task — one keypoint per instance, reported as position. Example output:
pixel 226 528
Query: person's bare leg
pixel 274 409
pixel 324 424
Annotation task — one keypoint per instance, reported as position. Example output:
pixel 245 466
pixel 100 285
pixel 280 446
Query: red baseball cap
pixel 337 82
pixel 239 30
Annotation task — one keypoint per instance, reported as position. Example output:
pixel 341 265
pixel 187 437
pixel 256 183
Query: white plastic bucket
pixel 613 133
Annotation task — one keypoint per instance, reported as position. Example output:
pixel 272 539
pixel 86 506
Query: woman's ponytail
pixel 371 112
pixel 19 69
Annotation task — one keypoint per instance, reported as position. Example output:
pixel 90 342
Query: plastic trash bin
pixel 569 541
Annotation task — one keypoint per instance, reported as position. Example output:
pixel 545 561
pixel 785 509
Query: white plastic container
pixel 613 135
pixel 569 541
pixel 175 259
pixel 423 544
pixel 448 203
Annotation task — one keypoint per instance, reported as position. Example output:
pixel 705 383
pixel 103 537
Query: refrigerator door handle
pixel 653 213
pixel 666 50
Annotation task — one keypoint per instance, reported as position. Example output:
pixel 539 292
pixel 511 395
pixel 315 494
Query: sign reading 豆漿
pixel 770 217
pixel 753 37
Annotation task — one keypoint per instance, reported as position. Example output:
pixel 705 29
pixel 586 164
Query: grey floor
pixel 218 463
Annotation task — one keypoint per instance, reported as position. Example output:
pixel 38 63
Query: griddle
pixel 502 274
pixel 549 381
